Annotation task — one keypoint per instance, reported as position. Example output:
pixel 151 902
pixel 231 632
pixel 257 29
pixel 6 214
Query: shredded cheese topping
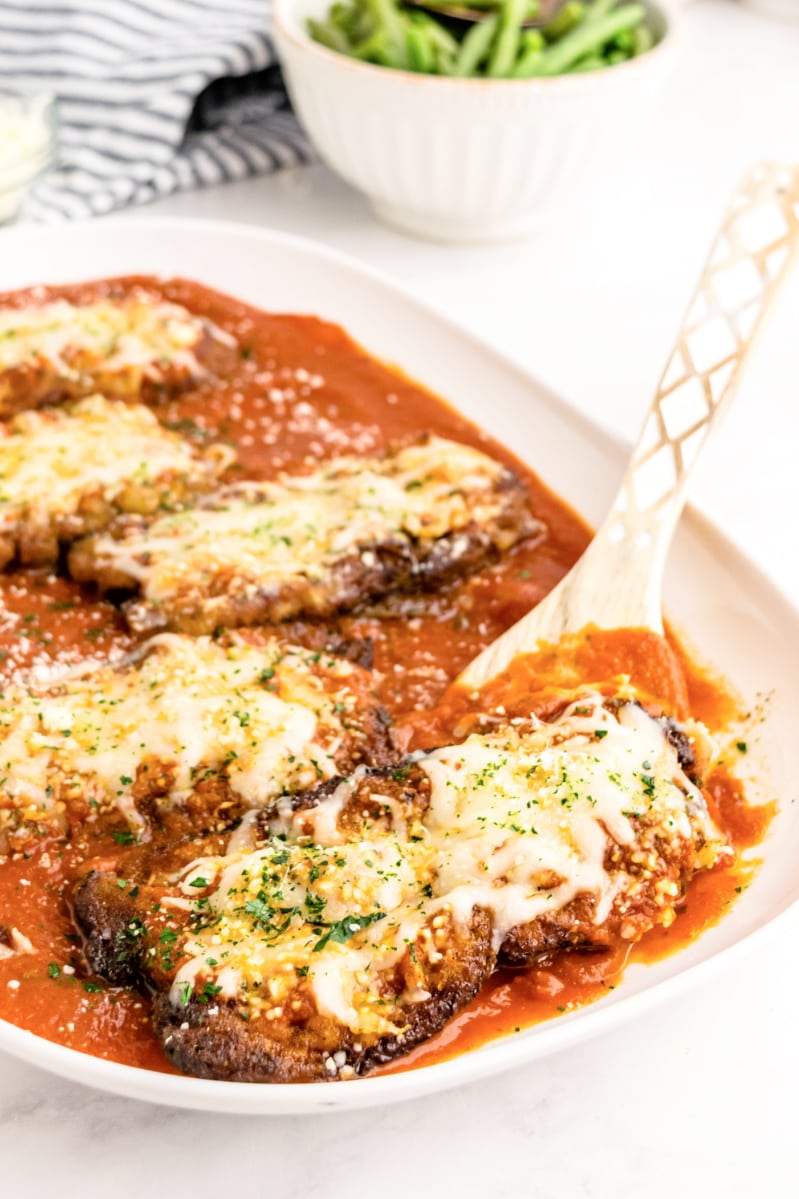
pixel 137 334
pixel 50 459
pixel 336 918
pixel 305 524
pixel 193 708
pixel 519 824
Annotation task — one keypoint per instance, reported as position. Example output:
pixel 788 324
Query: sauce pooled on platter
pixel 301 391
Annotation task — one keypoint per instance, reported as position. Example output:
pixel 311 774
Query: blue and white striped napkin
pixel 154 96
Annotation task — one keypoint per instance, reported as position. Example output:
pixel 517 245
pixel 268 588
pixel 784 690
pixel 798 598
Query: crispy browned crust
pixel 104 910
pixel 377 794
pixel 652 861
pixel 35 385
pixel 122 926
pixel 216 1042
pixel 109 919
pixel 399 565
pixel 637 909
pixel 122 923
pixel 222 1039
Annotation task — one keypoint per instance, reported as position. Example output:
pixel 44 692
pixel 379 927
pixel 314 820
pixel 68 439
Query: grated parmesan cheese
pixel 519 823
pixel 260 716
pixel 139 335
pixel 303 525
pixel 51 459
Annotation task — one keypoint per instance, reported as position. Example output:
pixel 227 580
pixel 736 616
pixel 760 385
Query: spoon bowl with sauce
pixel 617 582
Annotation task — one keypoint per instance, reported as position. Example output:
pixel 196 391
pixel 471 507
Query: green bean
pixel 388 16
pixel 330 36
pixel 376 49
pixel 419 49
pixel 506 46
pixel 356 20
pixel 584 35
pixel 600 8
pixel 532 43
pixel 563 21
pixel 441 37
pixel 475 46
pixel 356 26
pixel 445 46
pixel 344 17
pixel 625 40
pixel 587 37
pixel 594 62
pixel 644 39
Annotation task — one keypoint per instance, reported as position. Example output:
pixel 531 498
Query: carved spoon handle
pixel 618 581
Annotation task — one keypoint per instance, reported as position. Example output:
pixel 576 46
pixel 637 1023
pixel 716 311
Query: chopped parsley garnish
pixel 648 782
pixel 314 905
pixel 125 837
pixel 341 930
pixel 260 911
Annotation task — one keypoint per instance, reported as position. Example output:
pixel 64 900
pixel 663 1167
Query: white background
pixel 697 1098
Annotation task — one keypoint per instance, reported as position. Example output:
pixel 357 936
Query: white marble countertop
pixel 696 1098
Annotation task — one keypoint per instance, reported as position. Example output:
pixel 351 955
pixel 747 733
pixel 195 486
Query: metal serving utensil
pixel 462 12
pixel 617 582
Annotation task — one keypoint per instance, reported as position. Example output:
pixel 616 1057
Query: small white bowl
pixel 465 160
pixel 27 142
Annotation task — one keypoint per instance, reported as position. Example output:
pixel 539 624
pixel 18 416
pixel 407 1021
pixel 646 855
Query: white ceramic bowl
pixel 465 159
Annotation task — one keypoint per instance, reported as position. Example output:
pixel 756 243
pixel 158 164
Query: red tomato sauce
pixel 303 390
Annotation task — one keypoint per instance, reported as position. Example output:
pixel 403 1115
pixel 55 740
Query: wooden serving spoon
pixel 617 582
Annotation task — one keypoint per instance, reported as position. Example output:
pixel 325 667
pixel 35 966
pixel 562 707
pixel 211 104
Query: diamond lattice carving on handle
pixel 618 581
pixel 746 263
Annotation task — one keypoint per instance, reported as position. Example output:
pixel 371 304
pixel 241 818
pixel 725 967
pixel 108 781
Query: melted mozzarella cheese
pixel 259 715
pixel 305 524
pixel 337 917
pixel 521 822
pixel 71 339
pixel 50 459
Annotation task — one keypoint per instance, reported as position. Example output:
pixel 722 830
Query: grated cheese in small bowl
pixel 27 140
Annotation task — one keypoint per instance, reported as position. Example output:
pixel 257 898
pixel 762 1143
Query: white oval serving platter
pixel 728 609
